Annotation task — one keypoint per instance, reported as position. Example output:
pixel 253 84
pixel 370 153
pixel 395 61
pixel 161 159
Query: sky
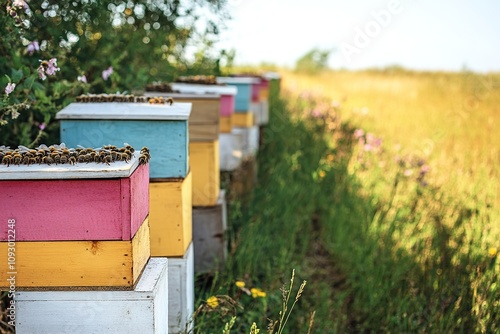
pixel 447 35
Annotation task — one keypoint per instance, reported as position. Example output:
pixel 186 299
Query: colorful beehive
pixel 143 310
pixel 163 129
pixel 246 104
pixel 209 236
pixel 203 143
pixel 82 225
pixel 227 100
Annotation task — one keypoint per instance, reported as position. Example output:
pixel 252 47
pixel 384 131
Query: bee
pixel 107 159
pixel 84 158
pixel 94 156
pixel 140 99
pixel 72 160
pixel 26 160
pixel 143 159
pixel 169 100
pixel 47 160
pixel 123 157
pixel 57 158
pixel 7 160
pixel 128 147
pixel 63 158
pixel 17 159
pixel 109 147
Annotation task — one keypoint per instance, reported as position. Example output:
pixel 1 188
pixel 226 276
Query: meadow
pixel 381 189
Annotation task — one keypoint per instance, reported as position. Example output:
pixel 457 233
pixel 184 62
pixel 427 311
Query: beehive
pixel 246 99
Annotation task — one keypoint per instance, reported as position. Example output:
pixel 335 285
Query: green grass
pixel 385 247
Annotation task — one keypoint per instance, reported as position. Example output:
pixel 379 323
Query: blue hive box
pixel 243 103
pixel 163 128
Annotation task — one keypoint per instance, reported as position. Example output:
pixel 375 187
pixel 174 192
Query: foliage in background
pixel 100 46
pixel 313 62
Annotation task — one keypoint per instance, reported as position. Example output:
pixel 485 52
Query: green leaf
pixel 16 75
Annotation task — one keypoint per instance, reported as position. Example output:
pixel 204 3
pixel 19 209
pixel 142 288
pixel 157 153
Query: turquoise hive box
pixel 243 103
pixel 163 128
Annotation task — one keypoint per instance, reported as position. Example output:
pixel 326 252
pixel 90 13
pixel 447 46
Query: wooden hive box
pixel 227 100
pixel 81 226
pixel 245 106
pixel 181 292
pixel 250 140
pixel 171 216
pixel 204 117
pixel 231 150
pixel 143 310
pixel 160 127
pixel 205 166
pixel 209 236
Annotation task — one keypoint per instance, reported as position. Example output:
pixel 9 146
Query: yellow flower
pixel 256 292
pixel 240 284
pixel 213 302
pixel 492 252
pixel 322 174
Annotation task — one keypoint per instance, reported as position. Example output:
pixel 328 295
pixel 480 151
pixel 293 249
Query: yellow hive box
pixel 226 124
pixel 170 216
pixel 243 119
pixel 115 264
pixel 205 167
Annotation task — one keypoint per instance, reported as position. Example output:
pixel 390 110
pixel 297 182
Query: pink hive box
pixel 81 202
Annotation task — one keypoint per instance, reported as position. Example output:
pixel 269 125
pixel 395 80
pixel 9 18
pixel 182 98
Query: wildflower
pixel 15 114
pixel 213 302
pixel 10 88
pixel 52 67
pixel 321 174
pixel 32 47
pixel 240 284
pixel 42 126
pixel 316 113
pixel 492 252
pixel 408 172
pixel 359 133
pixel 20 4
pixel 256 292
pixel 107 73
pixel 82 78
pixel 424 170
pixel 41 72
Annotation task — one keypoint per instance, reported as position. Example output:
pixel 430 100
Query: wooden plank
pixel 203 132
pixel 245 120
pixel 125 111
pixel 209 236
pixel 82 264
pixel 181 292
pixel 171 216
pixel 230 150
pixel 67 171
pixel 226 124
pixel 75 209
pixel 205 167
pixel 166 140
pixel 143 310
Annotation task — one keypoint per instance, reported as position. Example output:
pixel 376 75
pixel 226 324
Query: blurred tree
pixel 313 61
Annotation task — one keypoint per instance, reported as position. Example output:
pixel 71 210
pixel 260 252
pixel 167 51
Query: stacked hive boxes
pixel 230 144
pixel 75 230
pixel 209 240
pixel 163 128
pixel 246 112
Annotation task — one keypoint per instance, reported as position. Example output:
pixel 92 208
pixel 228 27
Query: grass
pixel 399 235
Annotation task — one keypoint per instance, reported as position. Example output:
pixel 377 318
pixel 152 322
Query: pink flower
pixel 359 133
pixel 107 73
pixel 10 88
pixel 408 172
pixel 32 47
pixel 316 113
pixel 52 67
pixel 42 126
pixel 82 78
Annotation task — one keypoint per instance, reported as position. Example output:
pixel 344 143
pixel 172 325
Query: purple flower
pixel 52 67
pixel 82 78
pixel 107 73
pixel 32 47
pixel 424 170
pixel 10 88
pixel 42 126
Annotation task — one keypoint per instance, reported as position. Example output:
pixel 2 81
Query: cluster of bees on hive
pixel 160 87
pixel 199 79
pixel 60 154
pixel 89 98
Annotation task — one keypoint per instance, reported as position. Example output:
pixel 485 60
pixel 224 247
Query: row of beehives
pixel 95 227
